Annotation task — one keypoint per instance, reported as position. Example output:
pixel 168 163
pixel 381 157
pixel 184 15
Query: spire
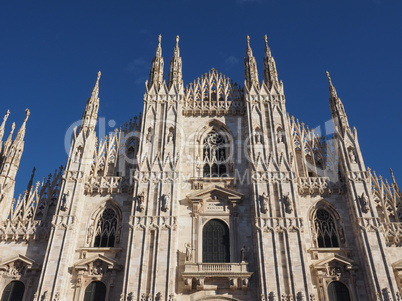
pixel 21 132
pixel 249 50
pixel 270 72
pixel 337 109
pixel 250 67
pixel 394 184
pixel 29 187
pixel 7 143
pixel 91 108
pixel 332 91
pixel 175 71
pixel 2 126
pixel 156 74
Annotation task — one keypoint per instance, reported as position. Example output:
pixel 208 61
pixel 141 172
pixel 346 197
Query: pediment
pixel 28 262
pixel 334 260
pixel 97 261
pixel 216 192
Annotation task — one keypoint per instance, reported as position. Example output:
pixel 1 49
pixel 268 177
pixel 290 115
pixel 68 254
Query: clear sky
pixel 51 51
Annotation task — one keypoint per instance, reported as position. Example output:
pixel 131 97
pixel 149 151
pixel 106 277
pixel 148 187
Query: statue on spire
pixel 250 67
pixel 270 72
pixel 175 71
pixel 156 73
pixel 332 90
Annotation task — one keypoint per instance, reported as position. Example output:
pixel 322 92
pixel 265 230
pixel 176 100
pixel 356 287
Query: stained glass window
pixel 327 235
pixel 106 227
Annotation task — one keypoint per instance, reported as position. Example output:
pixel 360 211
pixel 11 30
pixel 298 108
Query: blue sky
pixel 50 52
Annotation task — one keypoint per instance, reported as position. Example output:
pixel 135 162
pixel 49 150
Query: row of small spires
pixel 19 137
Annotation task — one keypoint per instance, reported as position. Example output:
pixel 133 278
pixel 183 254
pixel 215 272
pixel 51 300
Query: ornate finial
pixel 177 41
pixel 159 39
pixel 332 90
pixel 99 75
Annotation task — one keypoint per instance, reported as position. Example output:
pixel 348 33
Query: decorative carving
pixel 159 296
pixel 45 296
pixel 130 296
pixel 301 296
pixel 172 297
pixel 153 222
pixel 56 297
pixel 96 268
pixel 279 224
pixel 272 296
pixel 213 94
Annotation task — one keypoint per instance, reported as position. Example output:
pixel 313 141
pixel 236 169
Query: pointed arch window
pixel 326 230
pixel 95 291
pixel 214 155
pixel 14 291
pixel 337 291
pixel 106 228
pixel 215 242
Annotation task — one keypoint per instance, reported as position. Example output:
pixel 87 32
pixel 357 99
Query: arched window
pixel 14 291
pixel 215 242
pixel 95 291
pixel 337 291
pixel 106 227
pixel 214 155
pixel 326 231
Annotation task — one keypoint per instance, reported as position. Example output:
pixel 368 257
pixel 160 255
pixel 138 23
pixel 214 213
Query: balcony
pixel 234 275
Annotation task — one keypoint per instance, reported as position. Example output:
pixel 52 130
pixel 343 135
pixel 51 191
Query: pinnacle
pixel 267 49
pixel 159 48
pixel 332 90
pixel 249 50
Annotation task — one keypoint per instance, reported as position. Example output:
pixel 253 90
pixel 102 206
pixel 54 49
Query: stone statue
pixel 264 202
pixel 188 251
pixel 149 134
pixel 288 203
pixel 140 199
pixel 364 203
pixel 66 201
pixel 352 156
pixel 166 202
pixel 170 135
pixel 243 254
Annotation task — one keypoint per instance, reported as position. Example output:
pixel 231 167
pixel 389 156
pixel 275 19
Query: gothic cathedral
pixel 213 193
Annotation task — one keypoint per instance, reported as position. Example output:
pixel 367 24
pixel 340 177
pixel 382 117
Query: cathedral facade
pixel 213 193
